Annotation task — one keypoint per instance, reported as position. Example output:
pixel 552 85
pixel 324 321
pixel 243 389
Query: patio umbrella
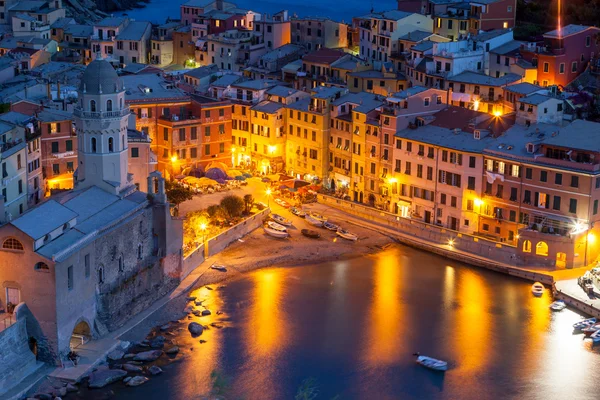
pixel 206 182
pixel 240 178
pixel 234 173
pixel 216 174
pixel 247 174
pixel 217 164
pixel 295 183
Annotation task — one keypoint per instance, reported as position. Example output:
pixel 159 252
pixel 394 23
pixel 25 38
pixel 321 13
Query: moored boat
pixel 431 363
pixel 276 226
pixel 558 305
pixel 537 289
pixel 596 336
pixel 317 216
pixel 591 329
pixel 584 324
pixel 298 212
pixel 218 267
pixel 346 235
pixel 280 220
pixel 330 226
pixel 275 233
pixel 310 233
pixel 313 221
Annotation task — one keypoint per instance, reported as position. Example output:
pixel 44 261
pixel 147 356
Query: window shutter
pixel 548 201
pixel 150 112
pixel 537 198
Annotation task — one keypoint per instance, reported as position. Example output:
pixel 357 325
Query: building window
pixel 121 264
pixel 41 267
pixel 94 149
pixel 561 68
pixel 527 246
pixel 12 244
pixel 139 251
pixel 574 181
pixel 574 66
pixel 111 146
pixel 207 149
pixel 135 152
pixel 558 179
pixel 541 249
pixel 573 206
pixel 70 277
pixel 546 67
pixel 108 105
pixel 100 275
pixel 93 105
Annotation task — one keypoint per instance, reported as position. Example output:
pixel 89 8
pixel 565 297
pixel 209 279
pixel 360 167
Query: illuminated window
pixel 505 25
pixel 12 244
pixel 541 249
pixel 217 23
pixel 527 246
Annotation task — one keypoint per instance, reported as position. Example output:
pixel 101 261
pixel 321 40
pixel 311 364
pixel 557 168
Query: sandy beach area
pixel 258 250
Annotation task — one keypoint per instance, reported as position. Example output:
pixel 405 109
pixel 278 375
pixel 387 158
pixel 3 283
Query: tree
pixel 248 202
pixel 177 194
pixel 215 211
pixel 232 205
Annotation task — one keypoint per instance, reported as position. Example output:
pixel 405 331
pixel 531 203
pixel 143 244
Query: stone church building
pixel 85 261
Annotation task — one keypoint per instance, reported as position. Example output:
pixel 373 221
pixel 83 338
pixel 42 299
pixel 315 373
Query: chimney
pixel 57 90
pixel 219 5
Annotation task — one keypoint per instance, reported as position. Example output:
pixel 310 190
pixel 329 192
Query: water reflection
pixel 472 329
pixel 386 319
pixel 266 333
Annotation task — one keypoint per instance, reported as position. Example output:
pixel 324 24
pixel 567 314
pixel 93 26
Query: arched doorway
pixel 82 334
pixel 561 260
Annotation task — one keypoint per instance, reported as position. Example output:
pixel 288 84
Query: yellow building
pixel 267 137
pixel 384 82
pixel 308 133
pixel 240 135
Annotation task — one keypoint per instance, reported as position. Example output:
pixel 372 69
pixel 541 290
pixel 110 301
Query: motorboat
pixel 221 268
pixel 330 226
pixel 285 204
pixel 537 289
pixel 276 226
pixel 317 216
pixel 584 324
pixel 558 305
pixel 314 221
pixel 309 233
pixel 280 220
pixel 275 233
pixel 431 363
pixel 346 235
pixel 596 336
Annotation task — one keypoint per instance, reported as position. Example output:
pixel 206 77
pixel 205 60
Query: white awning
pixel 466 97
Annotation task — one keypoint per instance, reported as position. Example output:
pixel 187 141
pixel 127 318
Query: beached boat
pixel 330 226
pixel 346 235
pixel 276 226
pixel 558 305
pixel 280 220
pixel 584 324
pixel 219 267
pixel 537 289
pixel 298 212
pixel 432 363
pixel 317 216
pixel 310 233
pixel 589 330
pixel 275 233
pixel 596 336
pixel 313 221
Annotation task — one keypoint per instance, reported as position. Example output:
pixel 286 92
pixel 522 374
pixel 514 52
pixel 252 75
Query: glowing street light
pixel 451 242
pixel 268 192
pixel 497 113
pixel 203 229
pixel 478 202
pixel 272 149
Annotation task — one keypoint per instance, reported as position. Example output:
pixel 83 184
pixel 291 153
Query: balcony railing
pixel 78 112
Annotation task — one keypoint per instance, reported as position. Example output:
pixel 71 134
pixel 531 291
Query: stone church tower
pixel 101 123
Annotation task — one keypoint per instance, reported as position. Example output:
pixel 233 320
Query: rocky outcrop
pixel 195 328
pixel 137 381
pixel 103 377
pixel 148 355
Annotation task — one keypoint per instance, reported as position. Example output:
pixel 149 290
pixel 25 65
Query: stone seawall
pixel 16 360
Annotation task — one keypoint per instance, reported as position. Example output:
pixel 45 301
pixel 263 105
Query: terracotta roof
pixel 323 56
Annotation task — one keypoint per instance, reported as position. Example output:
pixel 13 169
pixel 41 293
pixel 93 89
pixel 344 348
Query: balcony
pixel 63 154
pixel 78 112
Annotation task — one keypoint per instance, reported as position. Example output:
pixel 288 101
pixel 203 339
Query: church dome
pixel 100 76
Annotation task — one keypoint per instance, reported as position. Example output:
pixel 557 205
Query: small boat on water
pixel 431 363
pixel 584 324
pixel 537 289
pixel 275 233
pixel 280 220
pixel 309 233
pixel 276 226
pixel 346 235
pixel 558 305
pixel 330 226
pixel 221 268
pixel 313 221
pixel 298 212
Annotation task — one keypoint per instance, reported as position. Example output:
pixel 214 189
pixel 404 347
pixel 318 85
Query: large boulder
pixel 148 355
pixel 158 342
pixel 195 328
pixel 137 381
pixel 115 355
pixel 131 368
pixel 205 312
pixel 172 350
pixel 155 370
pixel 103 377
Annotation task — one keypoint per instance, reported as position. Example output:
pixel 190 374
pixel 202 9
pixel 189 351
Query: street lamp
pixel 203 229
pixel 268 197
pixel 173 161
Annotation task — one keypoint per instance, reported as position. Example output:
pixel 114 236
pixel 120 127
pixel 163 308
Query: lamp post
pixel 173 162
pixel 203 229
pixel 268 197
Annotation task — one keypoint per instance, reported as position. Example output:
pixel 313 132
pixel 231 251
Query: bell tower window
pixel 108 105
pixel 94 145
pixel 110 145
pixel 93 105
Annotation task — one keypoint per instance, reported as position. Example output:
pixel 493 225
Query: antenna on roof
pixel 372 9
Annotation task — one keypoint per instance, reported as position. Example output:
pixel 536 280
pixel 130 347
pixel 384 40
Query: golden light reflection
pixel 449 284
pixel 472 329
pixel 386 325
